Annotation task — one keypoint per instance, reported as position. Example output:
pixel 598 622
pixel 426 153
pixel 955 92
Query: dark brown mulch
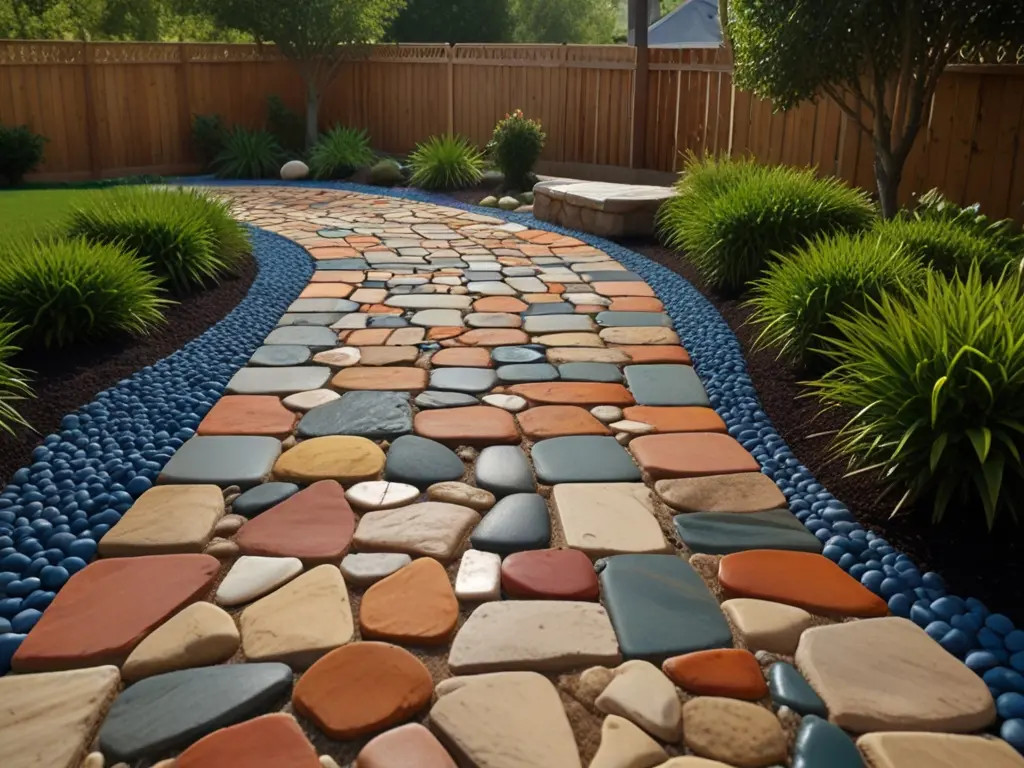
pixel 973 562
pixel 65 380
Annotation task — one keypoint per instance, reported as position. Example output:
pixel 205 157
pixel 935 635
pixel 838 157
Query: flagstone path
pixel 469 505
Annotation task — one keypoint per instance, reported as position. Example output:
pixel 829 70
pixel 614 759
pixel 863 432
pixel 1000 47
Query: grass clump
pixel 340 152
pixel 249 155
pixel 13 382
pixel 446 162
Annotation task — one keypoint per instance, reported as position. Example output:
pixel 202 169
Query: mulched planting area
pixel 64 380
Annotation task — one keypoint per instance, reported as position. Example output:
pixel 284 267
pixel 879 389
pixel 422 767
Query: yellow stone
pixel 342 458
pixel 166 520
pixel 200 635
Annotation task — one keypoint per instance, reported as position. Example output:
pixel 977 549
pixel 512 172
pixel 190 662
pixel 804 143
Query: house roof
pixel 694 24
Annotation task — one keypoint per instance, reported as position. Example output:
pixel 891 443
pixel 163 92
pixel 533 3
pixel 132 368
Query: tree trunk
pixel 888 174
pixel 312 113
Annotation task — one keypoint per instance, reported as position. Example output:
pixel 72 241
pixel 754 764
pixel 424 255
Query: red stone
pixel 730 672
pixel 636 304
pixel 493 337
pixel 106 609
pixel 261 415
pixel 545 421
pixel 549 574
pixel 656 353
pixel 270 741
pixel 691 454
pixel 574 393
pixel 407 746
pixel 394 377
pixel 681 418
pixel 315 525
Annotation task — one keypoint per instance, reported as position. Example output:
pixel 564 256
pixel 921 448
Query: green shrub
pixel 340 152
pixel 287 126
pixel 61 292
pixel 183 236
pixel 936 381
pixel 249 155
pixel 796 300
pixel 209 135
pixel 951 247
pixel 386 173
pixel 446 162
pixel 1005 234
pixel 13 384
pixel 515 148
pixel 21 150
pixel 733 218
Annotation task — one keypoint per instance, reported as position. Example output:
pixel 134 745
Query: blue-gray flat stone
pixel 374 284
pixel 472 380
pixel 435 399
pixel 516 523
pixel 789 688
pixel 519 373
pixel 820 744
pixel 373 414
pixel 558 323
pixel 610 276
pixel 660 607
pixel 421 462
pixel 550 308
pixel 223 461
pixel 721 533
pixel 516 355
pixel 334 232
pixel 583 459
pixel 310 318
pixel 387 321
pixel 503 469
pixel 481 275
pixel 323 305
pixel 601 372
pixel 280 354
pixel 633 319
pixel 282 380
pixel 354 264
pixel 262 497
pixel 665 385
pixel 172 710
pixel 307 335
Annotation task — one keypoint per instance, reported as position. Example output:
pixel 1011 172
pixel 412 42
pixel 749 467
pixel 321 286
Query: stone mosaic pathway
pixel 469 505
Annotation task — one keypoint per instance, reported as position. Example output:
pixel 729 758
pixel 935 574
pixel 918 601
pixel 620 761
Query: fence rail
pixel 111 109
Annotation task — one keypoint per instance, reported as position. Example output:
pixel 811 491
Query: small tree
pixel 453 21
pixel 879 60
pixel 564 21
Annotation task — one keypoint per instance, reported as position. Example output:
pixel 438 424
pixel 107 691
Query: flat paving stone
pixel 339 357
pixel 936 750
pixel 307 335
pixel 499 304
pixel 429 529
pixel 789 689
pixel 544 421
pixel 719 533
pixel 461 493
pixel 734 732
pixel 493 337
pixel 421 462
pixel 166 520
pixel 731 672
pixel 525 372
pixel 242 461
pixel 582 459
pixel 415 606
pixel 764 625
pixel 169 711
pixel 493 320
pixel 469 380
pixel 623 744
pixel 387 356
pixel 261 498
pixel 602 519
pixel 437 399
pixel 284 380
pixel 474 425
pixel 579 339
pixel 737 493
pixel 310 318
pixel 597 372
pixel 385 378
pixel 639 691
pixel 361 569
pixel 665 385
pixel 557 323
pixel 655 353
pixel 479 577
pixel 252 576
pixel 563 355
pixel 471 357
pixel 573 393
pixel 376 415
pixel 406 745
pixel 268 741
pixel 322 305
pixel 554 308
pixel 660 607
pixel 610 319
pixel 431 318
pixel 819 744
pixel 200 635
pixel 616 275
pixel 491 288
pixel 381 494
pixel 516 523
pixel 516 355
pixel 691 454
pixel 503 470
pixel 549 574
pixel 336 457
pixel 639 335
pixel 308 400
pixel 281 354
pixel 260 415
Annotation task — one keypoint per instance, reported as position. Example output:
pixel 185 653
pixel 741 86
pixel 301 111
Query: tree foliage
pixel 453 21
pixel 564 21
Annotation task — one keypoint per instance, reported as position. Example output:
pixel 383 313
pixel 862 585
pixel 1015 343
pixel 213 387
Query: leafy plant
pixel 249 155
pixel 208 137
pixel 734 218
pixel 515 148
pixel 340 152
pixel 13 383
pixel 21 150
pixel 386 173
pixel 798 298
pixel 446 162
pixel 61 292
pixel 936 381
pixel 1004 234
pixel 286 126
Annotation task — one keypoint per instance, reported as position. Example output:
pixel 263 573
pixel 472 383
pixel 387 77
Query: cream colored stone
pixel 433 529
pixel 544 635
pixel 301 621
pixel 342 357
pixel 623 745
pixel 740 492
pixel 593 681
pixel 505 720
pixel 380 494
pixel 165 520
pixel 589 299
pixel 640 335
pixel 47 720
pixel 228 524
pixel 479 576
pixel 310 399
pixel 326 761
pixel 94 760
pixel 641 693
pixel 198 636
pixel 454 492
pixel 631 427
pixel 559 355
pixel 569 339
pixel 692 762
pixel 936 750
pixel 253 576
pixel 361 569
pixel 511 403
pixel 608 518
pixel 606 413
pixel 764 625
pixel 887 674
pixel 736 732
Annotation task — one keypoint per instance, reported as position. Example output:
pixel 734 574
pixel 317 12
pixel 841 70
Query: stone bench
pixel 600 208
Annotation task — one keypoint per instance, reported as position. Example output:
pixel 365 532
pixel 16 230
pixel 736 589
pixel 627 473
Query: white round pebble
pixel 311 398
pixel 342 357
pixel 513 403
pixel 623 437
pixel 326 761
pixel 94 760
pixel 380 494
pixel 632 427
pixel 605 413
pixel 479 576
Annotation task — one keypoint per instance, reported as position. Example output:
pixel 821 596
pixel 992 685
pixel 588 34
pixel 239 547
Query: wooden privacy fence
pixel 112 109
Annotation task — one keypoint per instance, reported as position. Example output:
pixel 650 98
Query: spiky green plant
pixel 13 382
pixel 1004 234
pixel 340 152
pixel 798 298
pixel 936 384
pixel 446 162
pixel 249 155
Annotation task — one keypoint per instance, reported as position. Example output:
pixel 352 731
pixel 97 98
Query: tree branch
pixel 850 112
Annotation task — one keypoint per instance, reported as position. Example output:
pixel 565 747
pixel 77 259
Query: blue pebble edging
pixel 110 451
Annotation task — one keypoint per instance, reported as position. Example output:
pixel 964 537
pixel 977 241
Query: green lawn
pixel 33 211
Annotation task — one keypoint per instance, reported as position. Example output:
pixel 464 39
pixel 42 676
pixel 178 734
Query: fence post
pixel 640 79
pixel 450 52
pixel 91 121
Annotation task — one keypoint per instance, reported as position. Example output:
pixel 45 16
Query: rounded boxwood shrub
pixel 21 150
pixel 796 300
pixel 340 152
pixel 515 148
pixel 61 292
pixel 13 382
pixel 446 162
pixel 935 381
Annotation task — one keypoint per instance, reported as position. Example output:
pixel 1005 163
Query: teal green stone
pixel 665 385
pixel 721 533
pixel 820 744
pixel 788 688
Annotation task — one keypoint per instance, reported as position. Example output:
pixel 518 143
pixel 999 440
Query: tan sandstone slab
pixel 764 625
pixel 47 719
pixel 887 674
pixel 504 720
pixel 623 745
pixel 736 732
pixel 544 635
pixel 936 750
pixel 741 492
pixel 608 518
pixel 432 528
pixel 166 520
pixel 343 458
pixel 579 339
pixel 641 693
pixel 301 621
pixel 200 635
pixel 639 335
pixel 559 355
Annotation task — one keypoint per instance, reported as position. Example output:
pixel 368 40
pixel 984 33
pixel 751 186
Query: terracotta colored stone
pixel 462 357
pixel 270 741
pixel 367 336
pixel 333 252
pixel 680 418
pixel 381 309
pixel 493 337
pixel 361 688
pixel 655 353
pixel 808 581
pixel 315 525
pixel 387 355
pixel 344 458
pixel 248 415
pixel 545 421
pixel 550 574
pixel 473 425
pixel 393 378
pixel 415 605
pixel 691 454
pixel 402 747
pixel 636 304
pixel 499 304
pixel 106 609
pixel 640 335
pixel 326 291
pixel 573 393
pixel 632 288
pixel 730 672
pixel 571 339
pixel 540 298
pixel 439 332
pixel 370 295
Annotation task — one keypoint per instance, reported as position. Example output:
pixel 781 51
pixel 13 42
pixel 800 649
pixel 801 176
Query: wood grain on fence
pixel 111 109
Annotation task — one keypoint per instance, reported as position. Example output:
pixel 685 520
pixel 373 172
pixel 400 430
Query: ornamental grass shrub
pixel 249 155
pixel 515 148
pixel 13 382
pixel 446 162
pixel 21 150
pixel 935 380
pixel 340 152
